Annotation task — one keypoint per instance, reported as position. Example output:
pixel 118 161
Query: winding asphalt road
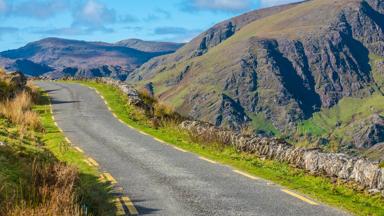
pixel 159 179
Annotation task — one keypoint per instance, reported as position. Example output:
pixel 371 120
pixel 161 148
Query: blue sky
pixel 23 21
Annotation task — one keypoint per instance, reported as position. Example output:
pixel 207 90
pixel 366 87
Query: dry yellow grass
pixel 18 111
pixel 52 193
pixel 163 110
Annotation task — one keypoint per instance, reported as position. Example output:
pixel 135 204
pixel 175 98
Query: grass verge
pixel 319 188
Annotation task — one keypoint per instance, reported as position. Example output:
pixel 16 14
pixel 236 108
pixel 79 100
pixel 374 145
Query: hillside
pixel 61 57
pixel 150 46
pixel 278 68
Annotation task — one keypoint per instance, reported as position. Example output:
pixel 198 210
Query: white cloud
pixel 94 14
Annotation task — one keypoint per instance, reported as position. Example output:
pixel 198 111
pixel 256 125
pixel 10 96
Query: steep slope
pixel 281 67
pixel 205 41
pixel 61 57
pixel 150 46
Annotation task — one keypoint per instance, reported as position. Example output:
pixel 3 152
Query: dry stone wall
pixel 366 173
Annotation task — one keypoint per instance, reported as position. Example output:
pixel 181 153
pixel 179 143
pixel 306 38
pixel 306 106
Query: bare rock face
pixel 369 132
pixel 205 41
pixel 230 113
pixel 366 173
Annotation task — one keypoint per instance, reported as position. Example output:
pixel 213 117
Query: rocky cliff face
pixel 287 64
pixel 205 41
pixel 56 58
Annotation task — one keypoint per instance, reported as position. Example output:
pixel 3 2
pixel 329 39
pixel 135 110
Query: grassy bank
pixel 40 174
pixel 319 188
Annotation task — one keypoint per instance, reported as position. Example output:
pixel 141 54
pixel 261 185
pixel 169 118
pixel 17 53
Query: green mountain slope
pixel 284 65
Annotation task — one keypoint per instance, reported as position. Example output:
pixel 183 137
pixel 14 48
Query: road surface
pixel 159 179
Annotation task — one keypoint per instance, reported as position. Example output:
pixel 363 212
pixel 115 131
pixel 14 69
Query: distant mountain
pixel 57 57
pixel 150 46
pixel 313 69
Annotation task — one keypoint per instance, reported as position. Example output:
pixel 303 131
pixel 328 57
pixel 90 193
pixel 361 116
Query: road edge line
pixel 300 197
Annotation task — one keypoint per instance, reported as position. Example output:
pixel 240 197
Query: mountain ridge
pixel 57 57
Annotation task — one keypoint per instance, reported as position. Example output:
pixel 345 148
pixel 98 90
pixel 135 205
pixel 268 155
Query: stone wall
pixel 365 173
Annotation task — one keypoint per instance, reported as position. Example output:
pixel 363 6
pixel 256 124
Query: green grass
pixel 261 124
pixel 318 188
pixel 377 75
pixel 345 112
pixel 15 156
